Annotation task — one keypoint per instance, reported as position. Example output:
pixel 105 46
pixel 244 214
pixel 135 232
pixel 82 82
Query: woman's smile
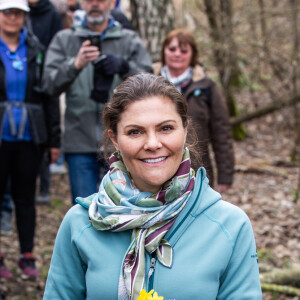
pixel 152 145
pixel 155 161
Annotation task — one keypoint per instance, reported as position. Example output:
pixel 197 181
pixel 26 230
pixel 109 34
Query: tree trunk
pixel 281 281
pixel 283 277
pixel 295 155
pixel 281 289
pixel 152 20
pixel 219 14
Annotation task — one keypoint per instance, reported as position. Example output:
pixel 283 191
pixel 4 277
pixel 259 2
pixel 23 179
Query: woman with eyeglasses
pixel 179 63
pixel 29 125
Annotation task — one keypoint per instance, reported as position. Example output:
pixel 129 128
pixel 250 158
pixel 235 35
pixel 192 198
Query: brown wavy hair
pixel 138 87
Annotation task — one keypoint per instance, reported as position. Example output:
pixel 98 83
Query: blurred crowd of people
pixel 79 52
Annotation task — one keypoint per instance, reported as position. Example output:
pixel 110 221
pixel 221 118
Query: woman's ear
pixel 113 138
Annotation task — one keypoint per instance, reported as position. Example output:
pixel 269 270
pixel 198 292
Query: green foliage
pixel 239 132
pixel 295 194
pixel 44 273
pixel 245 81
pixel 274 296
pixel 56 203
pixel 293 156
pixel 264 255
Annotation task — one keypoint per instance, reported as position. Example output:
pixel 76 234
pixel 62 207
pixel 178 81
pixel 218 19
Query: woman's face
pixel 151 139
pixel 177 58
pixel 11 21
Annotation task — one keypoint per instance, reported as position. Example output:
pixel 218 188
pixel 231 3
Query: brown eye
pixel 134 132
pixel 167 128
pixel 172 49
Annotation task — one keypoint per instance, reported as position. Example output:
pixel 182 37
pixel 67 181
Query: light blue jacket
pixel 214 255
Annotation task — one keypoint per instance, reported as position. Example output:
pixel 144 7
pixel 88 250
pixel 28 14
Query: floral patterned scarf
pixel 121 206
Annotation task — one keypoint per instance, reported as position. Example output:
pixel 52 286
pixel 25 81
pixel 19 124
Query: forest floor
pixel 264 187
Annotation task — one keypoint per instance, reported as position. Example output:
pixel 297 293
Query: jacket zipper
pixel 151 272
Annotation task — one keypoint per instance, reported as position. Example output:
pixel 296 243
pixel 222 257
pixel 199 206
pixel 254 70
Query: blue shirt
pixel 15 64
pixel 111 23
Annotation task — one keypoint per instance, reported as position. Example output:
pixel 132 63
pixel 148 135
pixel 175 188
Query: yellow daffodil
pixel 156 297
pixel 148 296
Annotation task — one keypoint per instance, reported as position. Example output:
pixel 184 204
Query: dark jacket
pixel 210 119
pixel 121 18
pixel 45 21
pixel 43 111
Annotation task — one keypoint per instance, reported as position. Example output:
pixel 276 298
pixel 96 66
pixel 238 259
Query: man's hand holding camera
pixel 86 54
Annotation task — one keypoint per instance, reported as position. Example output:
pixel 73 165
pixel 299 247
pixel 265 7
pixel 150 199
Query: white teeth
pixel 154 160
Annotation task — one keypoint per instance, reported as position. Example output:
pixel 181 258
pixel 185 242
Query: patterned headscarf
pixel 121 206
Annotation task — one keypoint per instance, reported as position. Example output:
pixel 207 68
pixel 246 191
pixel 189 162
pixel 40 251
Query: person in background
pixel 78 15
pixel 27 117
pixel 62 7
pixel 73 6
pixel 179 63
pixel 118 15
pixel 44 21
pixel 154 224
pixel 88 74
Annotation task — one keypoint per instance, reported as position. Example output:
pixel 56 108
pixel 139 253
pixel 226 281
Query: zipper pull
pixel 152 267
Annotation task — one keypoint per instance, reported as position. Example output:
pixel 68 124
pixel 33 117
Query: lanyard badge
pixel 17 63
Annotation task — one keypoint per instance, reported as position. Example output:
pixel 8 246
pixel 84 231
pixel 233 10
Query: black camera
pixel 95 41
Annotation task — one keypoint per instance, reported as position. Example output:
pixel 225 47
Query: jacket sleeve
pixel 66 277
pixel 240 281
pixel 221 139
pixel 52 118
pixel 139 59
pixel 59 71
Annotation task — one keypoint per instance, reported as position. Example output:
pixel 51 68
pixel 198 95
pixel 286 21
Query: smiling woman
pixel 150 139
pixel 180 64
pixel 154 224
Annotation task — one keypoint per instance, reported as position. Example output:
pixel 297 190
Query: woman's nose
pixel 152 142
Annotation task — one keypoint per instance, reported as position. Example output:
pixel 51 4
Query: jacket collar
pixel 202 197
pixel 112 31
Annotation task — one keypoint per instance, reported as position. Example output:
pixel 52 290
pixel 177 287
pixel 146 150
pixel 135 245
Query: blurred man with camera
pixel 87 62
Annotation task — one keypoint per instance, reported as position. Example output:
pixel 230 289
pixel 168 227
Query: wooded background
pixel 251 45
pixel 251 48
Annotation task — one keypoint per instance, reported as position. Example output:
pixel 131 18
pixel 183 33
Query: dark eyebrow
pixel 141 127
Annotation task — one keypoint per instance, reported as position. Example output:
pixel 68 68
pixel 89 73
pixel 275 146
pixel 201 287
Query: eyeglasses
pixel 17 63
pixel 16 12
pixel 182 50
